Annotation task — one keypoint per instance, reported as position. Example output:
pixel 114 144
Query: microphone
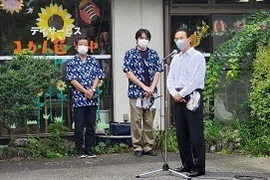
pixel 172 53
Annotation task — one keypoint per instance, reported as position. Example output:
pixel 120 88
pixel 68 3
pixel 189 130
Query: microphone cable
pixel 161 145
pixel 250 177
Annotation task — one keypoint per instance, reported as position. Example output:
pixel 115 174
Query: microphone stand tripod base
pixel 165 167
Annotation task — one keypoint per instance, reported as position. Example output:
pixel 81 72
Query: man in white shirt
pixel 185 82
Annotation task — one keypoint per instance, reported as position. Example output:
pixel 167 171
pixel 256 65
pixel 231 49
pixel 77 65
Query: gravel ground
pixel 125 167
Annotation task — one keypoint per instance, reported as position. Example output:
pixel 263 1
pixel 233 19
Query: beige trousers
pixel 142 133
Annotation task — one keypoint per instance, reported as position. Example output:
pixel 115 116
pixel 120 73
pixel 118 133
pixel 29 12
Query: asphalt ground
pixel 127 167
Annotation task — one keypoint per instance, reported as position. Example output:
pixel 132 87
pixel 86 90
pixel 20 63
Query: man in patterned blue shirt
pixel 142 67
pixel 84 73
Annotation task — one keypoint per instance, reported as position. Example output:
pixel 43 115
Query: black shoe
pixel 195 174
pixel 90 154
pixel 81 154
pixel 150 153
pixel 138 153
pixel 182 169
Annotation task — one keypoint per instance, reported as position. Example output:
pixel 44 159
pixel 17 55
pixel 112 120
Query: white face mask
pixel 143 43
pixel 181 44
pixel 82 49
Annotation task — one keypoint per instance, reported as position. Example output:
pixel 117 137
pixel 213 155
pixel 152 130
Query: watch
pixel 94 89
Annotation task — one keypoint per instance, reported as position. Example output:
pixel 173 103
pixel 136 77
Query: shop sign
pixel 59 46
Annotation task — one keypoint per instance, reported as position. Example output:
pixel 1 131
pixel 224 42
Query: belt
pixel 178 89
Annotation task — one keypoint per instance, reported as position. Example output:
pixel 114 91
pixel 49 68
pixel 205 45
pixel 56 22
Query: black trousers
pixel 85 117
pixel 190 136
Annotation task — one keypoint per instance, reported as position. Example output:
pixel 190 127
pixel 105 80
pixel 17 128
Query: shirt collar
pixel 137 50
pixel 189 52
pixel 79 59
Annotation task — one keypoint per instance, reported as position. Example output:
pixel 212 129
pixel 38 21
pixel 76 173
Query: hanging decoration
pixel 240 24
pixel 219 27
pixel 89 11
pixel 197 36
pixel 29 10
pixel 12 5
pixel 55 22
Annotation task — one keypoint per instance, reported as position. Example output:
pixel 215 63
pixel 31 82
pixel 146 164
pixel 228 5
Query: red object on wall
pixel 89 12
pixel 219 27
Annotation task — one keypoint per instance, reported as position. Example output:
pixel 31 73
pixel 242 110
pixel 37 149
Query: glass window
pixel 50 26
pixel 229 98
pixel 232 1
pixel 192 23
pixel 262 1
pixel 189 1
pixel 221 23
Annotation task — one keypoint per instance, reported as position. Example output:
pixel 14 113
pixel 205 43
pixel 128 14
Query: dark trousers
pixel 190 137
pixel 85 117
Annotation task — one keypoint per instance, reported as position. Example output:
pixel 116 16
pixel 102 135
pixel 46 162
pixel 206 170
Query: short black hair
pixel 141 31
pixel 188 32
pixel 80 38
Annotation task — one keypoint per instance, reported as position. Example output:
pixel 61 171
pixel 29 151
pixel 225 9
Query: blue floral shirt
pixel 133 62
pixel 85 73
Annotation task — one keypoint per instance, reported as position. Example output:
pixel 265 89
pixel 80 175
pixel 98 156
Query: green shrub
pixel 246 48
pixel 57 129
pixel 172 145
pixel 22 78
pixel 255 130
pixel 212 132
pixel 55 145
pixel 2 150
pixel 107 148
pixel 254 140
pixel 259 146
pixel 259 96
pixel 238 51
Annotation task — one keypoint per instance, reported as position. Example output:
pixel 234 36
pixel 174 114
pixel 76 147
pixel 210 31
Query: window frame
pixel 172 4
pixel 212 3
pixel 250 4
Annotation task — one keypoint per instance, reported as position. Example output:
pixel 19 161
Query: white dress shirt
pixel 187 71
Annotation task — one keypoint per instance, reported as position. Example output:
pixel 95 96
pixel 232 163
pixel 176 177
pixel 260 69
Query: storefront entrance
pixel 220 16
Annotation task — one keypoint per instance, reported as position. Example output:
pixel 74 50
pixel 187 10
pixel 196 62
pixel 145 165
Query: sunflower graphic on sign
pixel 54 22
pixel 12 5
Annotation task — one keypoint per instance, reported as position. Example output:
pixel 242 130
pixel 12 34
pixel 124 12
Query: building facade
pixel 50 28
pixel 162 18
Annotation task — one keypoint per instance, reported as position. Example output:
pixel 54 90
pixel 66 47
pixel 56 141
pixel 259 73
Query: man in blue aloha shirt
pixel 142 66
pixel 84 73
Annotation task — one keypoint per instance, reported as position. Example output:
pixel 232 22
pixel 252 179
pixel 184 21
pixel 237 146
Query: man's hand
pixel 89 93
pixel 148 90
pixel 147 95
pixel 178 98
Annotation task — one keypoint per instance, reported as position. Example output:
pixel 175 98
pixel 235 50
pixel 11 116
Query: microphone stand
pixel 165 166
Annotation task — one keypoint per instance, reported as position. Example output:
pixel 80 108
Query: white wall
pixel 127 17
